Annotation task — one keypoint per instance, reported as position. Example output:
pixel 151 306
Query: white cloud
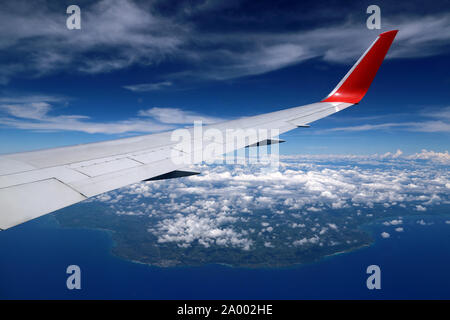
pixel 423 223
pixel 375 159
pixel 104 197
pixel 38 116
pixel 117 34
pixel 434 120
pixel 144 87
pixel 441 113
pixel 38 113
pixel 206 230
pixel 306 189
pixel 333 226
pixel 421 208
pixel 176 116
pixel 313 240
pixel 440 157
pixel 426 33
pixel 425 126
pixel 225 204
pixel 394 222
pixel 268 51
pixel 395 155
pixel 385 235
pixel 268 245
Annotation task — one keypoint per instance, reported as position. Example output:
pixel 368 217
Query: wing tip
pixel 357 81
pixel 390 33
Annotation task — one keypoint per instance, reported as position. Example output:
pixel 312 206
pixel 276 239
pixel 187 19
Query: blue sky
pixel 143 66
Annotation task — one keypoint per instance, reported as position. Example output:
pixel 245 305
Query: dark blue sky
pixel 145 66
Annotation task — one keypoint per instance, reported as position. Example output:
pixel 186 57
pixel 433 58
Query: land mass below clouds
pixel 133 242
pixel 248 216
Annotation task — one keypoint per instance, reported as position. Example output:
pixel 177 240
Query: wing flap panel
pixel 108 167
pixel 96 185
pixel 24 202
pixel 152 156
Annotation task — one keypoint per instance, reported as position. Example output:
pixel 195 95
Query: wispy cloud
pixel 38 113
pixel 257 53
pixel 426 126
pixel 441 113
pixel 144 87
pixel 435 120
pixel 176 115
pixel 118 34
pixel 115 34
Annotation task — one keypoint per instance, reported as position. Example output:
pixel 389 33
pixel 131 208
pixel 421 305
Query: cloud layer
pixel 322 200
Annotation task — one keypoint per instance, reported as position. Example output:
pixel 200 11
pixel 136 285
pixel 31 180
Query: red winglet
pixel 356 82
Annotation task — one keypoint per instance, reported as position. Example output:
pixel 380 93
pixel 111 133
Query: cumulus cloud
pixel 395 155
pixel 333 226
pixel 239 206
pixel 312 186
pixel 303 241
pixel 420 208
pixel 268 245
pixel 385 235
pixel 440 157
pixel 388 158
pixel 423 222
pixel 394 222
pixel 184 230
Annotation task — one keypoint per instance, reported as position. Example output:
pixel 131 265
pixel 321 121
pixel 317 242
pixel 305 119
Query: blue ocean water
pixel 414 264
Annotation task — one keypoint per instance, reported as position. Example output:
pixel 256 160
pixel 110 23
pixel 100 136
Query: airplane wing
pixel 39 182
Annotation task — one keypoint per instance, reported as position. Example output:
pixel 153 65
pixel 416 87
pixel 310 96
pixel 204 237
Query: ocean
pixel 34 256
